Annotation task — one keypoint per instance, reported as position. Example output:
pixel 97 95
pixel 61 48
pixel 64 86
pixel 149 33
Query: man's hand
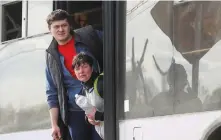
pixel 56 134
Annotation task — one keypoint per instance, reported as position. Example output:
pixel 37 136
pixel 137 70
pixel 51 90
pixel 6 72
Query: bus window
pixel 170 58
pixel 22 94
pixel 173 68
pixel 11 21
pixel 149 54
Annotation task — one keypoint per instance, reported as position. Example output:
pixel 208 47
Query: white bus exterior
pixel 23 108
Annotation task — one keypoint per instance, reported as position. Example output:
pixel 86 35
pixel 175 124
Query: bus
pixel 161 65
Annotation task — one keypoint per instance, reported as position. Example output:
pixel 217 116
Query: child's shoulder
pixel 98 85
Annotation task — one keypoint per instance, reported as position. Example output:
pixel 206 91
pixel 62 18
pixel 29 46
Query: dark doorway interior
pixel 83 12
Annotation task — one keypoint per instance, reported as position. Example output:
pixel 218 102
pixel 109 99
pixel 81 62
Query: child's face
pixel 83 72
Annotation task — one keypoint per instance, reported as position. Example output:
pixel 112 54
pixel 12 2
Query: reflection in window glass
pixel 173 60
pixel 22 94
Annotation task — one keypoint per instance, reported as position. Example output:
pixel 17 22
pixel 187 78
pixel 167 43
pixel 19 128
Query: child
pixel 93 88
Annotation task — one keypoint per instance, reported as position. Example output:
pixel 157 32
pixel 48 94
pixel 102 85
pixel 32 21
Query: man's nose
pixel 60 28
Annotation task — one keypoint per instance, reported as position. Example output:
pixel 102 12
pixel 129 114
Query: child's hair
pixel 82 58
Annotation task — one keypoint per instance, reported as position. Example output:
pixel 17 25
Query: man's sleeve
pixel 51 91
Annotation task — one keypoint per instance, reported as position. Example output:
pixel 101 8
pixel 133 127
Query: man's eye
pixel 56 27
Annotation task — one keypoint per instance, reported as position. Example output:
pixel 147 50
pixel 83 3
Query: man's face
pixel 83 72
pixel 60 30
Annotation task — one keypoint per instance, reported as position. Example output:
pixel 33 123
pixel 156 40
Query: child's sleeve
pixel 99 116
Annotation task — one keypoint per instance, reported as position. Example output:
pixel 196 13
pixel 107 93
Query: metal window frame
pixel 23 24
pixel 114 19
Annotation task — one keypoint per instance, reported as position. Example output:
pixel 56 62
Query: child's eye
pixel 85 66
pixel 76 69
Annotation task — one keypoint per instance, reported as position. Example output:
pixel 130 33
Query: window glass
pixel 172 58
pixel 149 54
pixel 11 21
pixel 22 88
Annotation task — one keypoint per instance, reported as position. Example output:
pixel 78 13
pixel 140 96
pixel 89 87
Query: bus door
pixel 114 19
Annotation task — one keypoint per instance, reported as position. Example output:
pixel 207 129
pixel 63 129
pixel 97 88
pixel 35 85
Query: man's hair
pixel 82 58
pixel 58 14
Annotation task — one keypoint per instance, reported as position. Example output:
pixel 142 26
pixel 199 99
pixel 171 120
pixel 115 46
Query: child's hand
pixel 93 122
pixel 92 114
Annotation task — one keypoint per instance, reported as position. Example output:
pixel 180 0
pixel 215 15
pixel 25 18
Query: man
pixel 67 119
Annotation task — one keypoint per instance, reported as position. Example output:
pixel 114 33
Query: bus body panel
pixel 189 126
pixel 34 135
pixel 24 113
